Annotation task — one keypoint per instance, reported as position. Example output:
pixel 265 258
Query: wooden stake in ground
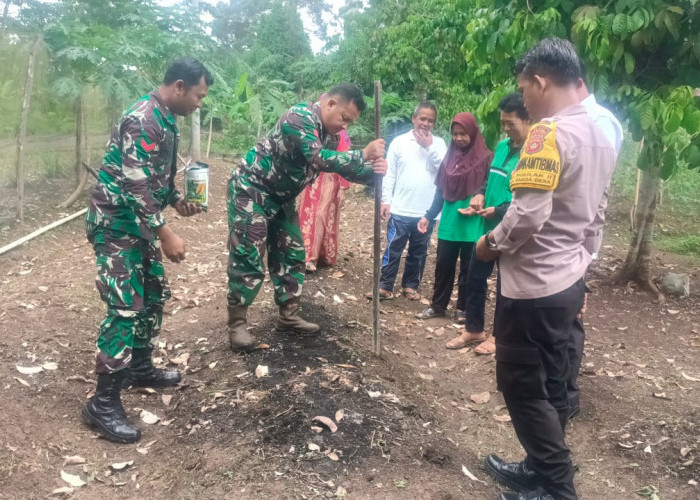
pixel 377 222
pixel 23 117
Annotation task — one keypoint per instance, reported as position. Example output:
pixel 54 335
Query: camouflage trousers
pixel 252 235
pixel 131 281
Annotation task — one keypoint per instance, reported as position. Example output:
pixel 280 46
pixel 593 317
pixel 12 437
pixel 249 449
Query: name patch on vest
pixel 540 164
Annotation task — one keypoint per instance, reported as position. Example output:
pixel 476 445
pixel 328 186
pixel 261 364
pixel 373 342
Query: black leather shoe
pixel 532 495
pixel 105 412
pixel 142 373
pixel 573 411
pixel 515 476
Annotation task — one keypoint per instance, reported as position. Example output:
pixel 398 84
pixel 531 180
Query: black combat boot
pixel 142 373
pixel 290 320
pixel 105 411
pixel 238 336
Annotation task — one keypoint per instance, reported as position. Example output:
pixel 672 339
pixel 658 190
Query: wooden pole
pixel 23 118
pixel 211 121
pixel 42 230
pixel 377 223
pixel 196 148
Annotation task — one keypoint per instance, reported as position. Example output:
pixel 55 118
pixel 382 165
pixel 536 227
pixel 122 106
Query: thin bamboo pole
pixel 377 224
pixel 40 231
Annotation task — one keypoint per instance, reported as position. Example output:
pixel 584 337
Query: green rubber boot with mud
pixel 238 336
pixel 290 321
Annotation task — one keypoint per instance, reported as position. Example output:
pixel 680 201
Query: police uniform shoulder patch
pixel 540 164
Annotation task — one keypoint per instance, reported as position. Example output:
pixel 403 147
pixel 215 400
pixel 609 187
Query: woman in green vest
pixel 491 203
pixel 461 174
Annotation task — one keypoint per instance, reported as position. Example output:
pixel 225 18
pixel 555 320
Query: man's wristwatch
pixel 491 245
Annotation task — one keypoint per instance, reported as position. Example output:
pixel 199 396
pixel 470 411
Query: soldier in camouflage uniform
pixel 261 195
pixel 127 229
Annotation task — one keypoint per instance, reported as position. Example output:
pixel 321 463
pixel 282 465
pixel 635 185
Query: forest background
pixel 73 65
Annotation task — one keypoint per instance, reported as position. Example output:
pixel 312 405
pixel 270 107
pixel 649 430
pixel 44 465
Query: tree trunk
pixel 637 266
pixel 79 140
pixel 196 147
pixel 211 120
pixel 23 117
pixel 84 166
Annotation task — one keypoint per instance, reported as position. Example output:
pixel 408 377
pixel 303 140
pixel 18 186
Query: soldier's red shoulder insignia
pixel 146 146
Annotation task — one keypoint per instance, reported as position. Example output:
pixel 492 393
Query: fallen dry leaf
pixel 261 371
pixel 148 417
pixel 672 311
pixel 22 381
pixel 29 370
pixel 688 377
pixel 622 328
pixel 74 460
pixel 72 479
pixel 50 366
pixel 121 465
pixel 167 399
pixel 339 415
pixel 425 376
pixel 62 491
pixel 314 447
pixel 143 450
pixel 212 365
pixel 481 398
pixel 684 452
pixel 333 456
pixel 263 346
pixel 660 395
pixel 182 359
pixel 325 421
pixel 502 418
pixel 471 476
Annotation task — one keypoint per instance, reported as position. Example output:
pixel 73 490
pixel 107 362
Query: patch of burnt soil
pixel 310 377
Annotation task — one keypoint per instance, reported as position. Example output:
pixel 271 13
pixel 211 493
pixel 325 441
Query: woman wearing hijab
pixel 461 174
pixel 319 214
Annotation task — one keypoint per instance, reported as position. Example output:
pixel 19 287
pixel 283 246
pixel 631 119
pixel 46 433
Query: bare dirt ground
pixel 409 424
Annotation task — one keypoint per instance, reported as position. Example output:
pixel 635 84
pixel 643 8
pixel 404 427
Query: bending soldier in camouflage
pixel 261 194
pixel 128 232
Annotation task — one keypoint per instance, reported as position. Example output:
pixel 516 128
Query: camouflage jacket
pixel 292 155
pixel 137 178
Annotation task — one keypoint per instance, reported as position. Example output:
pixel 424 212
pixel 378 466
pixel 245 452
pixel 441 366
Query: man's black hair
pixel 349 92
pixel 189 70
pixel 514 103
pixel 554 58
pixel 425 105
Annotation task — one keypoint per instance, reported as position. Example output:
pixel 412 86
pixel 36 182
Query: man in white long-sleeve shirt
pixel 407 191
pixel 611 128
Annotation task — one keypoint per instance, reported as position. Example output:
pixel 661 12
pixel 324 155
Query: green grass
pixel 683 245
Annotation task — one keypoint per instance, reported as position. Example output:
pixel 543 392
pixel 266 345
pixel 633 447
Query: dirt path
pixel 408 424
